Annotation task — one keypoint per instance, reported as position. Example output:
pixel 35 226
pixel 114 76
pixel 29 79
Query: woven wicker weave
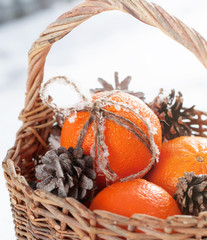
pixel 41 215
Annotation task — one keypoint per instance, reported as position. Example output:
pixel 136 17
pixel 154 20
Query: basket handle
pixel 149 13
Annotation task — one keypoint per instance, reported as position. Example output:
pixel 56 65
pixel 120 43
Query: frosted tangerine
pixel 136 196
pixel 179 155
pixel 127 153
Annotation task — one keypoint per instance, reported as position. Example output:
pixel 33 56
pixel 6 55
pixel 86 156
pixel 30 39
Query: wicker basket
pixel 41 215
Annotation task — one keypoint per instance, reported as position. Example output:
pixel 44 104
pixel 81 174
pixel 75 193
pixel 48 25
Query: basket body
pixel 41 215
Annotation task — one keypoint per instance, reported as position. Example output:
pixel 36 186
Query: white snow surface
pixel 112 41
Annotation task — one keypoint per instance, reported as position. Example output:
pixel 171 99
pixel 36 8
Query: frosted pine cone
pixel 66 173
pixel 171 114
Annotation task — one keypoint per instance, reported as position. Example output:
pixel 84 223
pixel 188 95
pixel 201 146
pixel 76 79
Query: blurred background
pixel 13 9
pixel 112 41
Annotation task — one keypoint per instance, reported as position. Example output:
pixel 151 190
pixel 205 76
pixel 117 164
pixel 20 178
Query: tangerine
pixel 136 196
pixel 128 155
pixel 179 155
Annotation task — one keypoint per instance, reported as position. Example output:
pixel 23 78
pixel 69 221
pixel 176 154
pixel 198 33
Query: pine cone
pixel 171 114
pixel 118 86
pixel 66 173
pixel 191 193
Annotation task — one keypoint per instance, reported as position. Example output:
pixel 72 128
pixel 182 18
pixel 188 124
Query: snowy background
pixel 109 42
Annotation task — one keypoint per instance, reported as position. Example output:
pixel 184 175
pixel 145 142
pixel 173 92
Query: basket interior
pixel 28 157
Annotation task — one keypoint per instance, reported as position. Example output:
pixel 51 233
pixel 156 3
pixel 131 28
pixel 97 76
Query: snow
pixel 112 41
pixel 72 118
pixel 153 129
pixel 92 152
pixel 117 107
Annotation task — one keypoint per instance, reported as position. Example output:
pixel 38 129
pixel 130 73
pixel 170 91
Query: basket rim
pixel 137 220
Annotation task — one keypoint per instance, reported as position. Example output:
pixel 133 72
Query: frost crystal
pixel 72 118
pixel 154 147
pixel 105 152
pixel 92 153
pixel 157 153
pixel 81 105
pixel 152 127
pixel 126 110
pixel 117 107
